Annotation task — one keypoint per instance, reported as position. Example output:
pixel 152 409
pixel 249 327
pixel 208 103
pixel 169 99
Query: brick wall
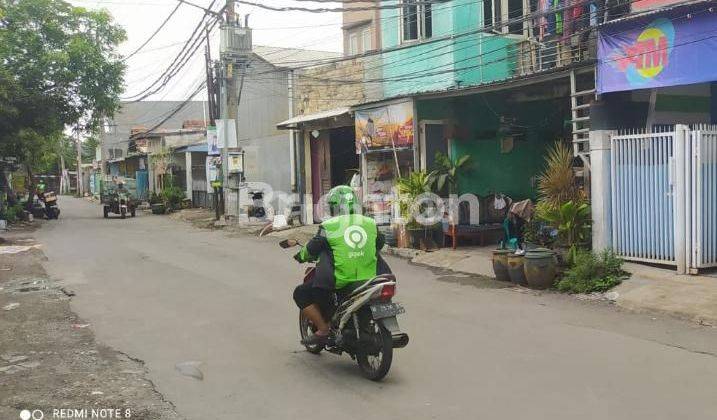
pixel 344 87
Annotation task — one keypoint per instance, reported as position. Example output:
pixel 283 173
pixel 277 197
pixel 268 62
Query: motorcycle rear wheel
pixel 123 213
pixel 306 328
pixel 375 367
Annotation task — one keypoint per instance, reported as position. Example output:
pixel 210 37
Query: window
pixel 504 12
pixel 416 21
pixel 353 44
pixel 366 40
pixel 487 13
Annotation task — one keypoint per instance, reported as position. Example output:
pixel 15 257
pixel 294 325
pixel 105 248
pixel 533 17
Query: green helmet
pixel 342 199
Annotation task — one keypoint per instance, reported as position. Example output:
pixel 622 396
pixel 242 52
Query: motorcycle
pixel 363 323
pixel 51 209
pixel 118 203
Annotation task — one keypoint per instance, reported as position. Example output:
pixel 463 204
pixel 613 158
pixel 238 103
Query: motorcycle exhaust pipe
pixel 400 340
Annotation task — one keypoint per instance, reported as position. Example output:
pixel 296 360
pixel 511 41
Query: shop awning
pixel 192 148
pixel 293 123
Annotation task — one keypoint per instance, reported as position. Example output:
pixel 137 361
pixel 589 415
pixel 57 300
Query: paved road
pixel 164 292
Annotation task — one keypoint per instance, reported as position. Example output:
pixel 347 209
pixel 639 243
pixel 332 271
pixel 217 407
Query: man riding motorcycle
pixel 346 249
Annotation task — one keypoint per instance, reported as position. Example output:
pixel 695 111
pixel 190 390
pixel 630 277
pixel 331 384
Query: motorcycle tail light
pixel 387 292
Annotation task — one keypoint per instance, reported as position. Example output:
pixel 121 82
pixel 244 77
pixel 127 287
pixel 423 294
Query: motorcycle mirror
pixel 288 243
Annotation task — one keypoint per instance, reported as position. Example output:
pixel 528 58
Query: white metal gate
pixel 703 145
pixel 664 196
pixel 642 197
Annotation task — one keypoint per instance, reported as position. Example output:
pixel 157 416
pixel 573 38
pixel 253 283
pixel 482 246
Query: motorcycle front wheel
pixel 375 360
pixel 306 328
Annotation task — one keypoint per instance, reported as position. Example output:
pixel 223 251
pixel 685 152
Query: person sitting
pixel 346 248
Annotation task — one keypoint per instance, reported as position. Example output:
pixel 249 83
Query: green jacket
pixel 351 242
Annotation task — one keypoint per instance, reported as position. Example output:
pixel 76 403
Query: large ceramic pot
pixel 500 264
pixel 516 270
pixel 159 208
pixel 540 268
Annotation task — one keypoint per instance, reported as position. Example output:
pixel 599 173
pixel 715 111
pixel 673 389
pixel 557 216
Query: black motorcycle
pixel 363 323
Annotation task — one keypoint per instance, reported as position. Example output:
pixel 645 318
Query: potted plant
pixel 572 222
pixel 409 189
pixel 173 197
pixel 156 202
pixel 445 172
pixel 564 214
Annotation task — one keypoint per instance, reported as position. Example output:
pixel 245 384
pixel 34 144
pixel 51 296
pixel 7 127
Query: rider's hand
pixel 297 257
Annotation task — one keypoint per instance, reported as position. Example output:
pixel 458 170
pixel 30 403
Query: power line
pixel 173 113
pixel 159 28
pixel 180 61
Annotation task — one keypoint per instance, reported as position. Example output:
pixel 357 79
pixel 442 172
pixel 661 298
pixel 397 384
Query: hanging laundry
pixel 568 17
pixel 543 9
pixel 550 16
pixel 558 5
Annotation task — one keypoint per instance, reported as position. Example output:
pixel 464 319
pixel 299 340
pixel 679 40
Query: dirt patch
pixel 49 359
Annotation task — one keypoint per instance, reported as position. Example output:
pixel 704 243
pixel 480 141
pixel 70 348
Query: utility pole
pixel 227 86
pixel 234 52
pixel 79 161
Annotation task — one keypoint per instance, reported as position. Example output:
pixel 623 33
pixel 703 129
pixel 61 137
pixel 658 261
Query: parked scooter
pixel 52 211
pixel 257 207
pixel 363 323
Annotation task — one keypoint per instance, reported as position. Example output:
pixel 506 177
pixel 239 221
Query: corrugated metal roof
pixel 192 148
pixel 293 122
pixel 293 57
pixel 639 15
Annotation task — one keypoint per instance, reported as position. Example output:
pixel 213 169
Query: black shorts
pixel 306 294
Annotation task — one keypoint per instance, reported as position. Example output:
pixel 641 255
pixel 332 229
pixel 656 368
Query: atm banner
pixel 676 49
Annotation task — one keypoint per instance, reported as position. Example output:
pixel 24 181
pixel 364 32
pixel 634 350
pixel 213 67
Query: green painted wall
pixel 477 124
pixel 465 61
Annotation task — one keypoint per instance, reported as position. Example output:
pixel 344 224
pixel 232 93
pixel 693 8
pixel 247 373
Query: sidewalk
pixel 653 289
pixel 649 289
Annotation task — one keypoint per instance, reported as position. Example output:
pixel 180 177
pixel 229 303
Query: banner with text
pixel 677 48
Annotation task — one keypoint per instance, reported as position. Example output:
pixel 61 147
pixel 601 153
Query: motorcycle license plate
pixel 385 310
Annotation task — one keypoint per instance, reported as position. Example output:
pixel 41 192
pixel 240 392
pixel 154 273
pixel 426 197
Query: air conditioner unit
pixel 235 41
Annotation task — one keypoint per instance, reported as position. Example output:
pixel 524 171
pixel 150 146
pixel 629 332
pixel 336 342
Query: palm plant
pixel 556 184
pixel 410 187
pixel 572 221
pixel 446 171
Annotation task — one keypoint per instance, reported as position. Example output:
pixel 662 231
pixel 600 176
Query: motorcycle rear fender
pixel 391 324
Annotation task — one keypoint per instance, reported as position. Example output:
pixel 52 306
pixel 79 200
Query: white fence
pixel 703 181
pixel 664 196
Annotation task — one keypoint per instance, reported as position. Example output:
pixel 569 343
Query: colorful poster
pixel 213 168
pixel 212 141
pixel 675 49
pixel 385 127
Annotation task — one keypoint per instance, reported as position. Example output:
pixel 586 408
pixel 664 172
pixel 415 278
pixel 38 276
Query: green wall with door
pixel 476 131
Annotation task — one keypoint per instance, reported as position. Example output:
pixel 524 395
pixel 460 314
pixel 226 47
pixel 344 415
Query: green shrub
pixel 11 213
pixel 155 198
pixel 173 197
pixel 592 272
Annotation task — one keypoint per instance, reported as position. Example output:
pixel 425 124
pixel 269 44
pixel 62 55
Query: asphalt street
pixel 165 292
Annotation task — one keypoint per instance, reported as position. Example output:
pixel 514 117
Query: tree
pixel 58 67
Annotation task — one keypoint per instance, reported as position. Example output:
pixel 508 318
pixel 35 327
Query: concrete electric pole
pixel 235 47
